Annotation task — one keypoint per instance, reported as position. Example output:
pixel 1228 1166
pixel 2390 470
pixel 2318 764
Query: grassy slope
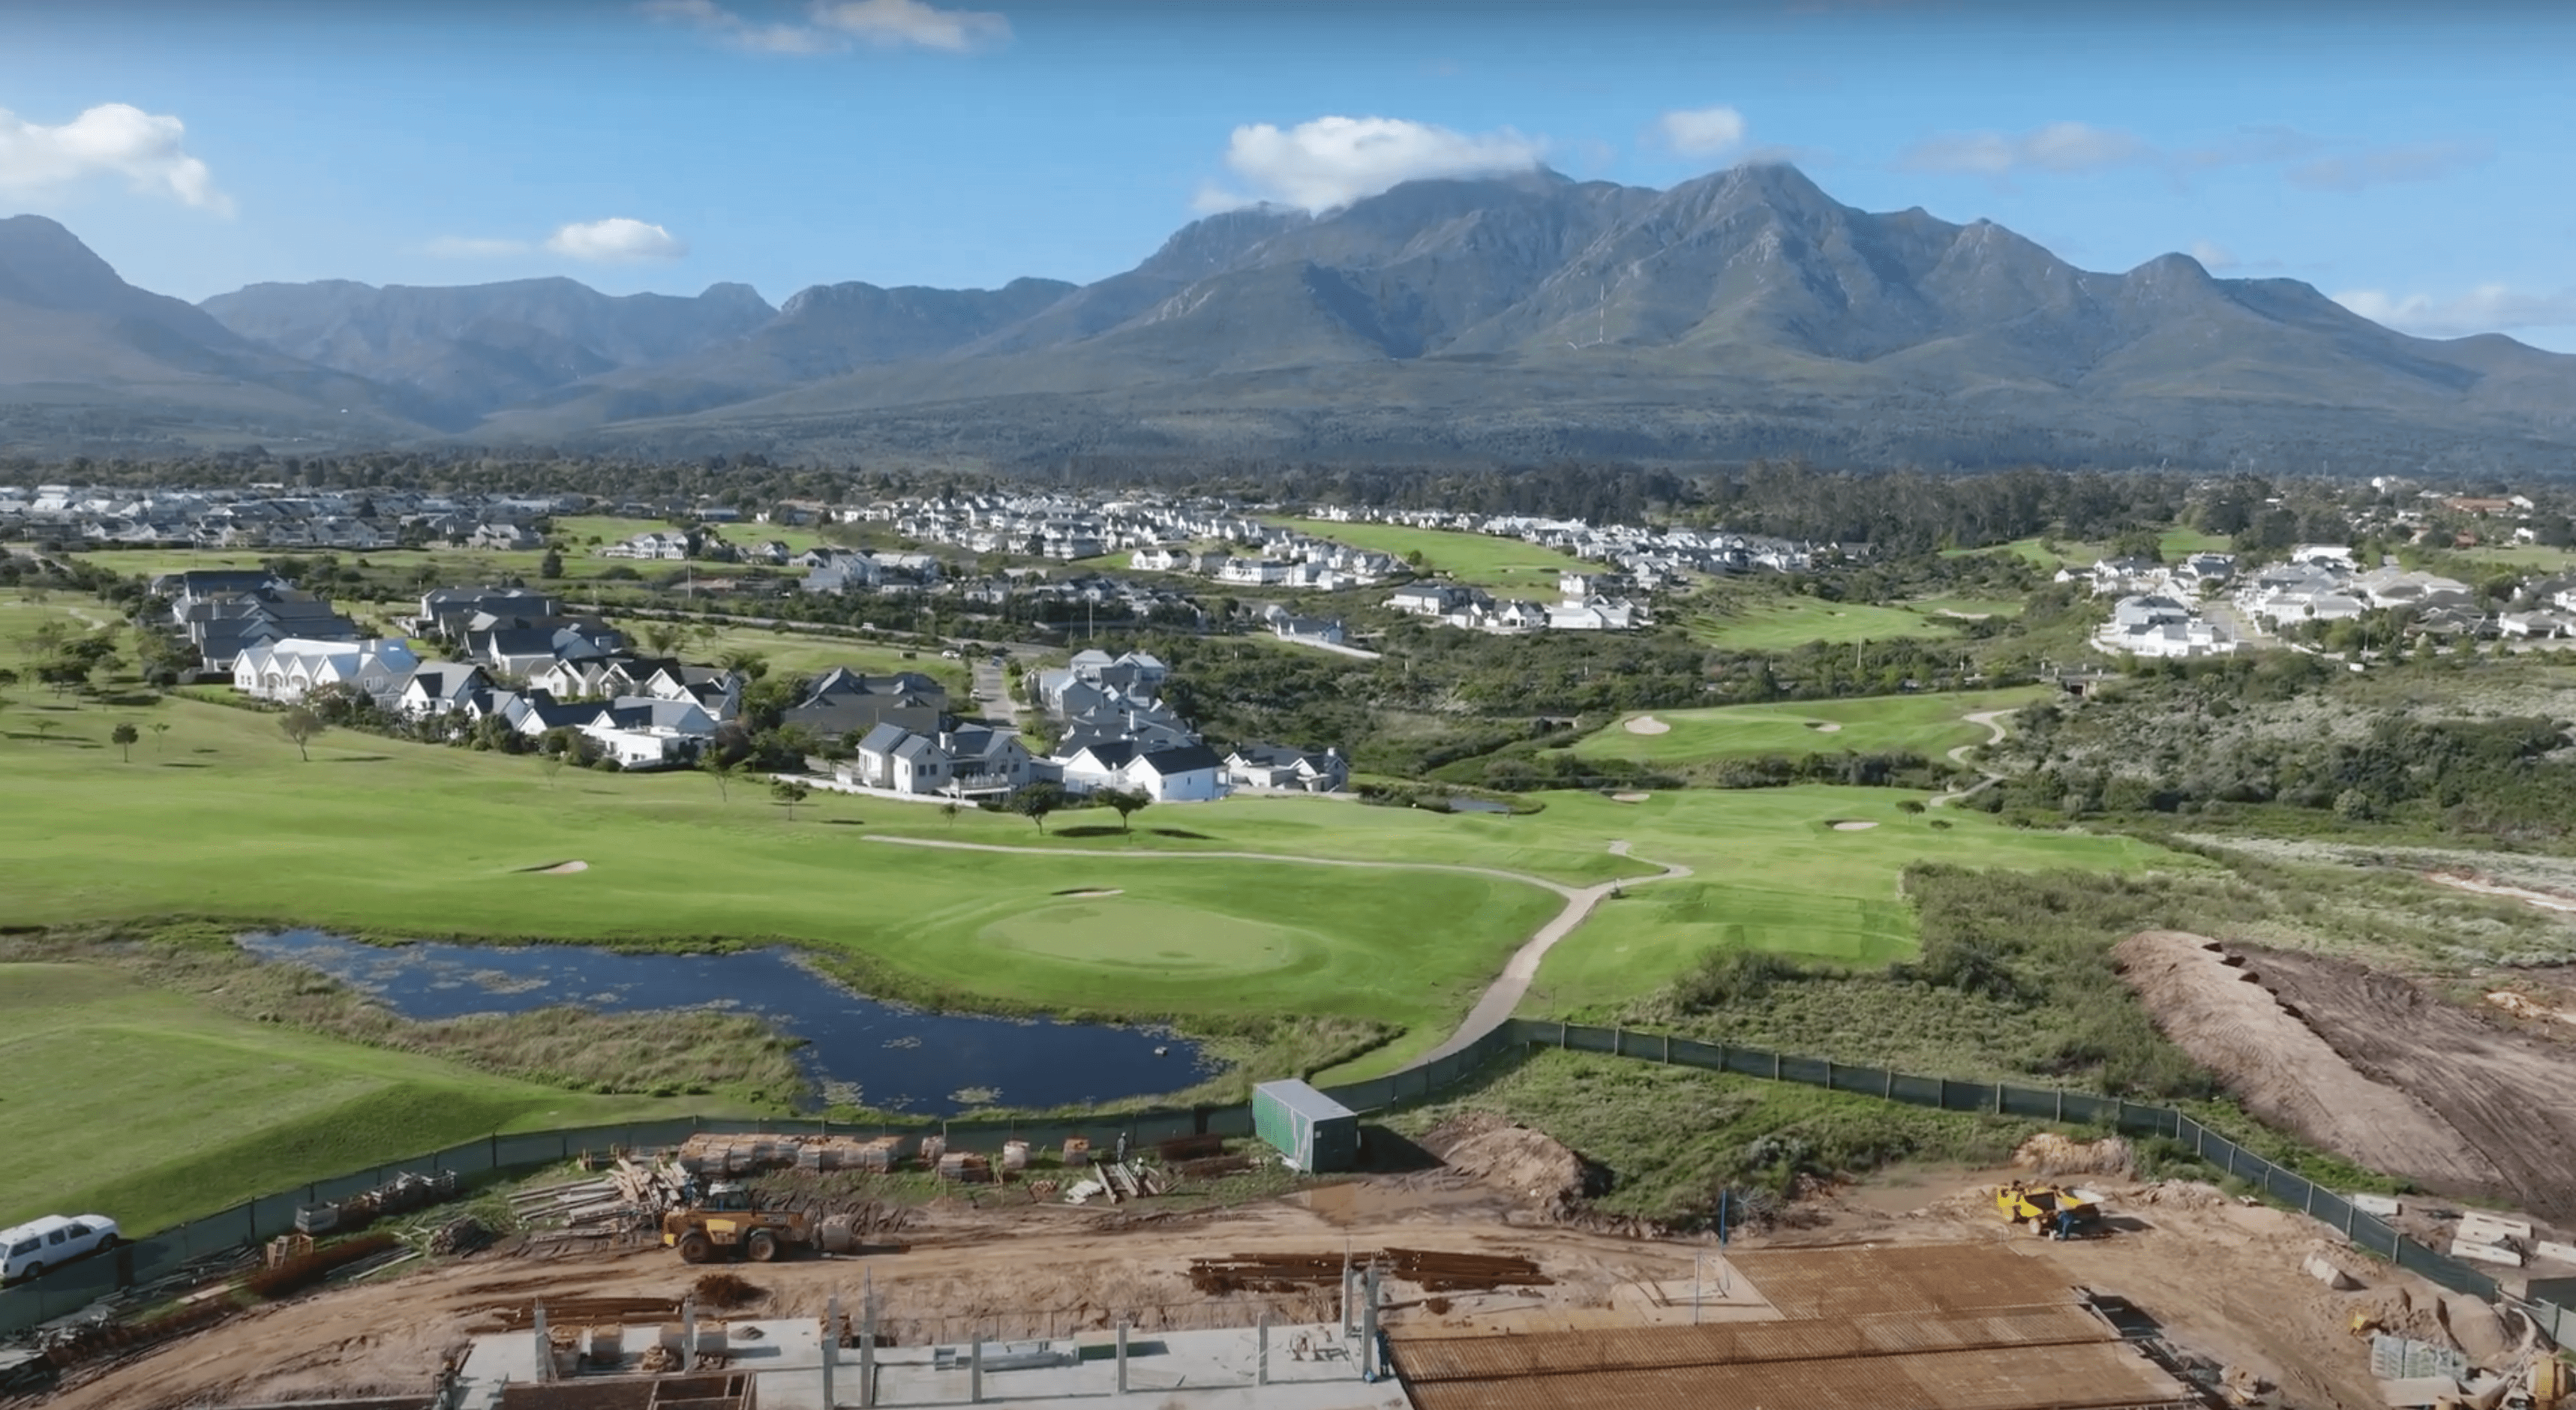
pixel 1767 623
pixel 1502 565
pixel 1927 724
pixel 194 1109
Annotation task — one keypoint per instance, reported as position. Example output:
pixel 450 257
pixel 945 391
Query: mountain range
pixel 1512 318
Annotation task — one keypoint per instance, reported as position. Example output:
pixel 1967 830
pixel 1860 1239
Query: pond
pixel 1460 803
pixel 896 1058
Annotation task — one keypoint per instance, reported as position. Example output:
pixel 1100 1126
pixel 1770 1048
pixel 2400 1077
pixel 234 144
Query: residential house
pixel 438 687
pixel 1595 614
pixel 1188 774
pixel 640 732
pixel 841 702
pixel 972 761
pixel 295 667
pixel 518 538
pixel 1278 766
pixel 1432 599
pixel 1309 629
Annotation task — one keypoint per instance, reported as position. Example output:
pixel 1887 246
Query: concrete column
pixel 689 1332
pixel 831 1349
pixel 1122 1356
pixel 1261 1338
pixel 1368 1326
pixel 545 1345
pixel 975 1372
pixel 868 1346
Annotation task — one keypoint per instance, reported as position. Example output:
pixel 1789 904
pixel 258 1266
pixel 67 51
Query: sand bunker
pixel 558 868
pixel 1825 726
pixel 1630 797
pixel 1648 724
pixel 1104 891
pixel 1852 825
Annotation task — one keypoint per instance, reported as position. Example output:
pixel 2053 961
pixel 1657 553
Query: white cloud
pixel 1333 161
pixel 2060 147
pixel 2379 166
pixel 833 25
pixel 2212 256
pixel 2488 308
pixel 1701 132
pixel 469 247
pixel 113 138
pixel 893 23
pixel 616 240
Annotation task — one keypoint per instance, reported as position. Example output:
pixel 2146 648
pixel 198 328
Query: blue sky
pixel 2412 160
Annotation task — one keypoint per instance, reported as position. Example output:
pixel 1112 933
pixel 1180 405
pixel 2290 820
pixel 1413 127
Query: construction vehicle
pixel 725 1225
pixel 2048 1210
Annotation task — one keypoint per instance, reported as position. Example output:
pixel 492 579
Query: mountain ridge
pixel 1740 313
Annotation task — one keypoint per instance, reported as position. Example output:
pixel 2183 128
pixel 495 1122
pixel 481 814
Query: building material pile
pixel 401 1194
pixel 1120 1180
pixel 710 1156
pixel 1428 1270
pixel 585 1311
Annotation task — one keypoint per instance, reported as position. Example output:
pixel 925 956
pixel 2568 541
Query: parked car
pixel 29 1249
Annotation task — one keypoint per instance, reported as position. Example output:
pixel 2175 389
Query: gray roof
pixel 1182 760
pixel 1303 1099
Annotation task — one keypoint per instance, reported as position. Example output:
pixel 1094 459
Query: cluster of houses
pixel 1586 601
pixel 272 517
pixel 1116 732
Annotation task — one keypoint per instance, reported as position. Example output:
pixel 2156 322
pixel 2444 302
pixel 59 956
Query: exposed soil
pixel 2224 1281
pixel 2468 881
pixel 1530 1165
pixel 1852 825
pixel 1825 726
pixel 2513 1095
pixel 1630 797
pixel 1648 724
pixel 2370 1065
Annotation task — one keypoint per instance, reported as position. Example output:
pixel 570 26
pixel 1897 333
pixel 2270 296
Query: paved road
pixel 1500 997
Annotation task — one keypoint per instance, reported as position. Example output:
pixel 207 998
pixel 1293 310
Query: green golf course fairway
pixel 1926 724
pixel 1154 937
pixel 142 1104
pixel 1504 565
pixel 1783 623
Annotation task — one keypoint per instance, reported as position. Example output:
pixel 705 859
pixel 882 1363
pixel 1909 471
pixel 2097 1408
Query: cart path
pixel 1993 720
pixel 1500 997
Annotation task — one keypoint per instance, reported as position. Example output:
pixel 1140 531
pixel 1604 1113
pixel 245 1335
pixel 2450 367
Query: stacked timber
pixel 718 1156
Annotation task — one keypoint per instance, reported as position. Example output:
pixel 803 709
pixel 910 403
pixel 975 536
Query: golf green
pixel 1115 932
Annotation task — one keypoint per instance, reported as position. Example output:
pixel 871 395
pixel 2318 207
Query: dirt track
pixel 2222 1279
pixel 2371 1066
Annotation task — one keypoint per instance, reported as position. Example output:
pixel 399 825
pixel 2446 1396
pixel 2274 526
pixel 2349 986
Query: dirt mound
pixel 2394 1310
pixel 1648 724
pixel 2050 1154
pixel 2208 1002
pixel 2179 1194
pixel 724 1290
pixel 1531 1164
pixel 2502 1090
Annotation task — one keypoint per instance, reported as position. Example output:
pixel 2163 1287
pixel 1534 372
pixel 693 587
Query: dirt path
pixel 1993 720
pixel 1500 997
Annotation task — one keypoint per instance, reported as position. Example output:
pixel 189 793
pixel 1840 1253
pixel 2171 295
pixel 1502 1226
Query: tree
pixel 552 761
pixel 159 728
pixel 949 811
pixel 1127 802
pixel 749 664
pixel 723 770
pixel 302 726
pixel 550 567
pixel 790 792
pixel 123 736
pixel 1034 801
pixel 45 729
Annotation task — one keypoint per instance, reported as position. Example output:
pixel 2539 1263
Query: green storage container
pixel 1316 1133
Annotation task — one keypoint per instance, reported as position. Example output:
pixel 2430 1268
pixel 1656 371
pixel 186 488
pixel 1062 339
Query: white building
pixel 296 666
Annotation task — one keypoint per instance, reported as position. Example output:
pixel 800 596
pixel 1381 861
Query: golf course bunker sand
pixel 1825 726
pixel 1850 825
pixel 1082 895
pixel 558 868
pixel 1648 724
pixel 1630 797
pixel 1110 932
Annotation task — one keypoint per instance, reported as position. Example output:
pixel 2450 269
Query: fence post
pixel 2061 1106
pixel 1668 1048
pixel 1829 1074
pixel 1560 1035
pixel 1999 1099
pixel 1890 1093
pixel 1618 1042
pixel 1775 1067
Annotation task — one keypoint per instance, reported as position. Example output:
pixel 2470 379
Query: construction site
pixel 794 1272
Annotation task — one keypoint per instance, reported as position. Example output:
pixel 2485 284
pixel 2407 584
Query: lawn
pixel 1481 560
pixel 1929 725
pixel 154 1108
pixel 1778 623
pixel 1771 872
pixel 812 653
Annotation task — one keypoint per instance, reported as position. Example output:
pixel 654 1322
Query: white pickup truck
pixel 27 1250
